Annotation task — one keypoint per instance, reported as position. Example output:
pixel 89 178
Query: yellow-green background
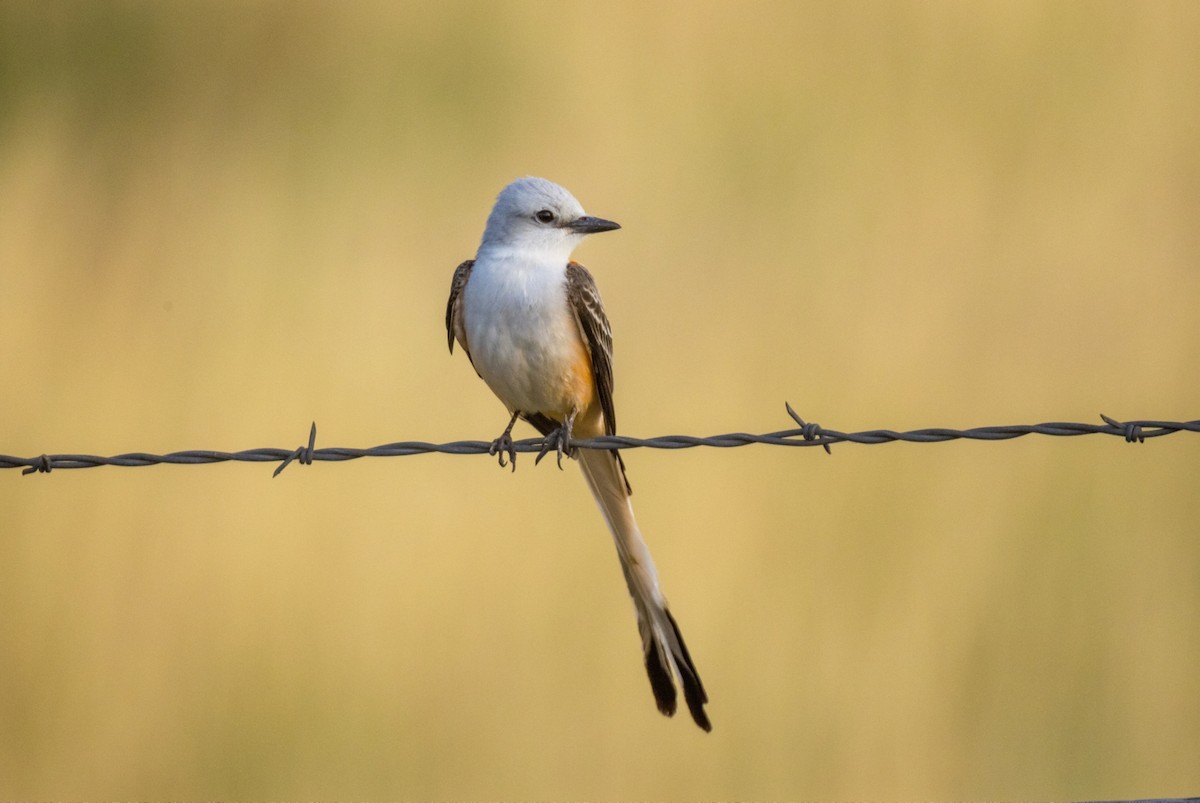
pixel 219 222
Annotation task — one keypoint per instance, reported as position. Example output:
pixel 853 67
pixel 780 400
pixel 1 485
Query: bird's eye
pixel 545 216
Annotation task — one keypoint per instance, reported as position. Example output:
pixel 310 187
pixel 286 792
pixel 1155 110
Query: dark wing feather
pixel 583 297
pixel 455 330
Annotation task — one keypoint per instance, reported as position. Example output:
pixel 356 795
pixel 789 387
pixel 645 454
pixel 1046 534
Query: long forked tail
pixel 666 655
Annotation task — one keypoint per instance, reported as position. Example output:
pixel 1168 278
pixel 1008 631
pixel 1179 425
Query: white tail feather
pixel 666 655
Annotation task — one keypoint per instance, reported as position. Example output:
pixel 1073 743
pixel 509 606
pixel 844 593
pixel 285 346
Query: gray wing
pixel 584 300
pixel 455 330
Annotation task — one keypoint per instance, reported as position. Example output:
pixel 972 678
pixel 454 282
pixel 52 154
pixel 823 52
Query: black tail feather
pixel 662 680
pixel 693 689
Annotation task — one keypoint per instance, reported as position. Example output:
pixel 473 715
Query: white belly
pixel 523 338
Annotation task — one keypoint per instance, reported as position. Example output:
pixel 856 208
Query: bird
pixel 532 325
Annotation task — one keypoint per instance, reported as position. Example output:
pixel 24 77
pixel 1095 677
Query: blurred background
pixel 220 222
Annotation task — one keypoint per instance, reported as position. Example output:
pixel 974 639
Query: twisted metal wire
pixel 805 434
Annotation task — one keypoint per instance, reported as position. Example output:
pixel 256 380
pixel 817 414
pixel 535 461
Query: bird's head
pixel 536 214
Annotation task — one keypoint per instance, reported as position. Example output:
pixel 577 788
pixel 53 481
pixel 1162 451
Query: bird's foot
pixel 559 440
pixel 504 445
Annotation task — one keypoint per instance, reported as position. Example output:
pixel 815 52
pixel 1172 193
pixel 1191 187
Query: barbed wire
pixel 806 434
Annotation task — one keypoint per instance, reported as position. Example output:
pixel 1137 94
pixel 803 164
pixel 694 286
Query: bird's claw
pixel 558 440
pixel 502 446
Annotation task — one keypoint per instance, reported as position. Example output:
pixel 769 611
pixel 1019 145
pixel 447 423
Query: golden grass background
pixel 219 222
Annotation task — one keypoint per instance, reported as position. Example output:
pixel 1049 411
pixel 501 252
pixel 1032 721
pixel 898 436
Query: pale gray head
pixel 533 213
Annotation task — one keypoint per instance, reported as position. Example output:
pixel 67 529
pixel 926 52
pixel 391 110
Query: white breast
pixel 523 339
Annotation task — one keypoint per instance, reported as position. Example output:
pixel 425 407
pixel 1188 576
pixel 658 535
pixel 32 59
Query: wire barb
pixel 810 431
pixel 808 434
pixel 304 454
pixel 42 465
pixel 1132 431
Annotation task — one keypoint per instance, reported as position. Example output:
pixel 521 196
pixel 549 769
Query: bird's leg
pixel 559 440
pixel 504 444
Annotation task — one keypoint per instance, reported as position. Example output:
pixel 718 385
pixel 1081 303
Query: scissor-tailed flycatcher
pixel 533 326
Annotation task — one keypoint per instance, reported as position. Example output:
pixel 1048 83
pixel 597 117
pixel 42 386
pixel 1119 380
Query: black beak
pixel 591 225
